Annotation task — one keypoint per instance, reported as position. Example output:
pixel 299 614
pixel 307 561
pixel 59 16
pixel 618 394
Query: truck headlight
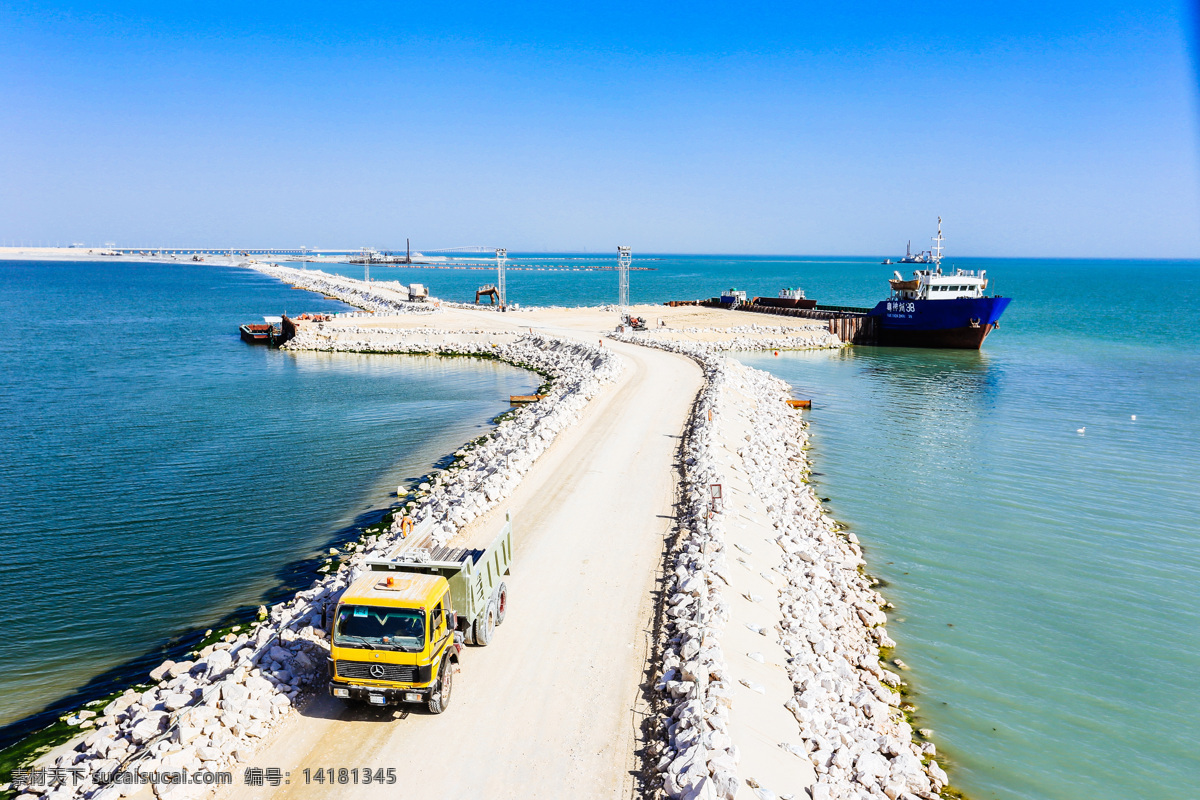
pixel 341 692
pixel 412 697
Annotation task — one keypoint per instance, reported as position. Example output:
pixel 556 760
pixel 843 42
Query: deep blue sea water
pixel 1045 580
pixel 157 473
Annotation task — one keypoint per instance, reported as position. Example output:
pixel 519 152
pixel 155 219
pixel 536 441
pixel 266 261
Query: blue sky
pixel 1035 129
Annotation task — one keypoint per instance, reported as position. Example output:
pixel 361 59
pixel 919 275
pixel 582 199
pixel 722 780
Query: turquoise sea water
pixel 157 473
pixel 1045 580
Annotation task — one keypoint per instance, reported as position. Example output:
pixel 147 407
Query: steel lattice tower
pixel 624 258
pixel 501 260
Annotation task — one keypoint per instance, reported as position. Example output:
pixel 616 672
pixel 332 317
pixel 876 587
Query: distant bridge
pixel 302 251
pixel 222 251
pixel 461 250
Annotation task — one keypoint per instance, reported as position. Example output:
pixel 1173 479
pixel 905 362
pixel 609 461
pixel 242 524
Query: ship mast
pixel 937 247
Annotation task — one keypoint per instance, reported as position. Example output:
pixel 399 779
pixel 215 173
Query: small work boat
pixel 265 333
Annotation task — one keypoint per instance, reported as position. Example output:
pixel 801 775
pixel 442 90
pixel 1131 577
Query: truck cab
pixel 392 640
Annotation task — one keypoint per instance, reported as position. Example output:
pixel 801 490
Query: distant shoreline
pixel 100 254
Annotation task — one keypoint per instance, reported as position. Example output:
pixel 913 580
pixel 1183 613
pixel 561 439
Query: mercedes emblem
pixel 377 670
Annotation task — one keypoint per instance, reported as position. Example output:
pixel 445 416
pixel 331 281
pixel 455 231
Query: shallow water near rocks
pixel 1045 580
pixel 159 473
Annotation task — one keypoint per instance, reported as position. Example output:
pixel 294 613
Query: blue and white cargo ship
pixel 937 309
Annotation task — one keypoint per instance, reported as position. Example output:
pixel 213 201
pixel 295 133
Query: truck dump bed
pixel 475 575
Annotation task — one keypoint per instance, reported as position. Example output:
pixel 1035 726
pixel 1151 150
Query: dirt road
pixel 550 708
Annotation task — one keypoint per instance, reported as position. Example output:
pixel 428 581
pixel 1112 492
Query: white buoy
pixel 1133 417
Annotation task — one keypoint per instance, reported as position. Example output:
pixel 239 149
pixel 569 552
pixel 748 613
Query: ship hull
pixel 253 334
pixel 948 338
pixel 961 324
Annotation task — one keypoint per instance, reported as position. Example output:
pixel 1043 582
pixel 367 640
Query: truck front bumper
pixel 378 695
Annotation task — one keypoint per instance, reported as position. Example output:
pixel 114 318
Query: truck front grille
pixel 362 670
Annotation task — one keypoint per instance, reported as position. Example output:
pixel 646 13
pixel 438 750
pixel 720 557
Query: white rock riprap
pixel 832 621
pixel 699 759
pixel 711 341
pixel 376 296
pixel 341 337
pixel 210 712
pixel 829 625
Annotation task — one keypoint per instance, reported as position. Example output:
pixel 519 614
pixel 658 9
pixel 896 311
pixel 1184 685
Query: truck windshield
pixel 383 628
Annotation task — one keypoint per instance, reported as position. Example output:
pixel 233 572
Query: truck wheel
pixel 441 698
pixel 501 603
pixel 485 626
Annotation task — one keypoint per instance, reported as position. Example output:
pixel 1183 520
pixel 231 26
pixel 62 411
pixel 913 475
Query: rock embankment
pixel 699 759
pixel 376 296
pixel 853 740
pixel 209 712
pixel 341 337
pixel 737 337
pixel 492 469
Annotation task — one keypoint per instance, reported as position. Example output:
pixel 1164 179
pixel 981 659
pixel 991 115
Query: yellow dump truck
pixel 398 630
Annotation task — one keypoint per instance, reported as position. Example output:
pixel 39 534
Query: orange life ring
pixel 406 526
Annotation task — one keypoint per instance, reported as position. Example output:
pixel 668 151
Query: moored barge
pixel 788 298
pixel 265 333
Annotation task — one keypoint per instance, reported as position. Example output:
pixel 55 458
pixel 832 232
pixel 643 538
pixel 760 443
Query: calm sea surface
pixel 157 473
pixel 1046 581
